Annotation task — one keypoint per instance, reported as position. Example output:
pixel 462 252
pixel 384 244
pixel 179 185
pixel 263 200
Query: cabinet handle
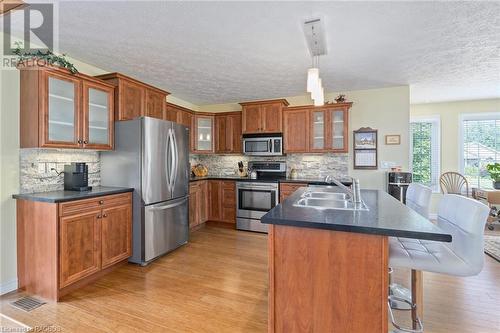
pixel 99 216
pixel 104 215
pixel 80 141
pixel 85 141
pixel 101 202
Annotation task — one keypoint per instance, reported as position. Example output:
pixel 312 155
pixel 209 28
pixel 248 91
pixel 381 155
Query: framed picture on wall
pixel 365 140
pixel 393 139
pixel 365 148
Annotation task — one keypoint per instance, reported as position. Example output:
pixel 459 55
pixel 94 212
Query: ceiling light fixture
pixel 315 37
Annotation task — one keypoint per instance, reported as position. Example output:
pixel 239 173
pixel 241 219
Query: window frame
pixel 470 116
pixel 435 139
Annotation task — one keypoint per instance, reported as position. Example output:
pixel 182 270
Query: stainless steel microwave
pixel 257 145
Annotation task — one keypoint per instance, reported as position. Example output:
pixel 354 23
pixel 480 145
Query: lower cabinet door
pixel 79 241
pixel 116 230
pixel 194 218
pixel 203 201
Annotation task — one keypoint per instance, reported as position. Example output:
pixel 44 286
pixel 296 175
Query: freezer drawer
pixel 166 227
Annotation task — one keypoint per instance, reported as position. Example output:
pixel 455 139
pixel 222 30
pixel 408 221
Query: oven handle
pixel 257 187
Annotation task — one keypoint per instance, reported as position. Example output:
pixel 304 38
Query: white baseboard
pixel 8 286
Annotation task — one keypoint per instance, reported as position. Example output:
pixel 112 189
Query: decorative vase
pixel 496 184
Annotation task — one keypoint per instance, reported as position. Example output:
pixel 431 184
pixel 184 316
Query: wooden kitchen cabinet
pixel 203 132
pixel 59 109
pixel 198 203
pixel 263 116
pixel 287 189
pixel 296 131
pixel 134 98
pixel 116 234
pixel 228 133
pixel 215 200
pixel 62 246
pixel 222 201
pixel 98 116
pixel 79 240
pixel 155 102
pixel 310 129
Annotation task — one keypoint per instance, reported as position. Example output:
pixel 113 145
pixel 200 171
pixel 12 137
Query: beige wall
pixel 449 114
pixel 386 109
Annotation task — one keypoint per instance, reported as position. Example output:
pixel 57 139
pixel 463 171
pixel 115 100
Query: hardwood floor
pixel 218 283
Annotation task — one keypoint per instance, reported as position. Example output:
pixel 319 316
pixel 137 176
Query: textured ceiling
pixel 219 52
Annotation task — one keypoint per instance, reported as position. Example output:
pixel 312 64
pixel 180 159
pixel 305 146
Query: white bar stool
pixel 464 219
pixel 418 198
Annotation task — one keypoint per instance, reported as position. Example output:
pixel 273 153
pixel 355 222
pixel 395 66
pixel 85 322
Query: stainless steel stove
pixel 255 198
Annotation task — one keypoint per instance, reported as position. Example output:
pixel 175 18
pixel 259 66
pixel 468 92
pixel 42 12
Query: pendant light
pixel 320 98
pixel 312 79
pixel 316 42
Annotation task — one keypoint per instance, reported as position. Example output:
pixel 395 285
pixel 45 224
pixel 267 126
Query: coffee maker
pixel 76 177
pixel 397 184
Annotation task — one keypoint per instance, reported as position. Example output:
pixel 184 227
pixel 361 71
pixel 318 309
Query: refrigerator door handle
pixel 168 151
pixel 163 207
pixel 172 158
pixel 175 162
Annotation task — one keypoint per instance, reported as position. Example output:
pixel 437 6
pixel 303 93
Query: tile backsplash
pixel 36 164
pixel 307 165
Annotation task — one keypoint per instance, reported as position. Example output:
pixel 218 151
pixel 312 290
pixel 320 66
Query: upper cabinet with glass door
pixel 204 134
pixel 97 116
pixel 64 110
pixel 61 111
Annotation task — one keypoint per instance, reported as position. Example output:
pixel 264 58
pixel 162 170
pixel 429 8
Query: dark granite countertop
pixel 309 181
pixel 62 196
pixel 386 216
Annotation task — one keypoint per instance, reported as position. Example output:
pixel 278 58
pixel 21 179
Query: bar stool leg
pixel 417 297
pixel 415 304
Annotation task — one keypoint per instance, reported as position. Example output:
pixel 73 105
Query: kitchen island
pixel 328 268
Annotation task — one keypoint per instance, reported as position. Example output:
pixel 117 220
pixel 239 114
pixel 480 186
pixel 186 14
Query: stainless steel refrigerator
pixel 152 156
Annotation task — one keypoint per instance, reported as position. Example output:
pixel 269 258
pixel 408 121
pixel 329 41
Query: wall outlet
pixel 51 166
pixel 387 164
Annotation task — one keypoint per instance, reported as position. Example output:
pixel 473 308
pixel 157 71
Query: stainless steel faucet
pixel 354 192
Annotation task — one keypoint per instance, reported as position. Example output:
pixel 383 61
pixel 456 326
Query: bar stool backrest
pixel 418 198
pixel 464 219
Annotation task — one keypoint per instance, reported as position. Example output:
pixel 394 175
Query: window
pixel 424 151
pixel 480 146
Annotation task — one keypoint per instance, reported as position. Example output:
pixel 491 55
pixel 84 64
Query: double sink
pixel 328 197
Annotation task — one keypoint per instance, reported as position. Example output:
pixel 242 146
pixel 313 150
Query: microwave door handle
pixel 270 145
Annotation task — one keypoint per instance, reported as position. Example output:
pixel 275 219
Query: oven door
pixel 255 199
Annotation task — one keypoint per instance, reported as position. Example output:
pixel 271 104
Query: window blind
pixel 424 145
pixel 481 146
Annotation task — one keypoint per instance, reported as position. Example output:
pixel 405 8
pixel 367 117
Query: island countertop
pixel 386 216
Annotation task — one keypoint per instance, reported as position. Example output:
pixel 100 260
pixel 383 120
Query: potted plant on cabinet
pixel 494 171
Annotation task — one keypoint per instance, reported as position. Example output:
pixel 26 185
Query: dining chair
pixel 454 183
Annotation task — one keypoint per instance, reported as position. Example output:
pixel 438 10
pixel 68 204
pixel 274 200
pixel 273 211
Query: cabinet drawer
pixel 72 207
